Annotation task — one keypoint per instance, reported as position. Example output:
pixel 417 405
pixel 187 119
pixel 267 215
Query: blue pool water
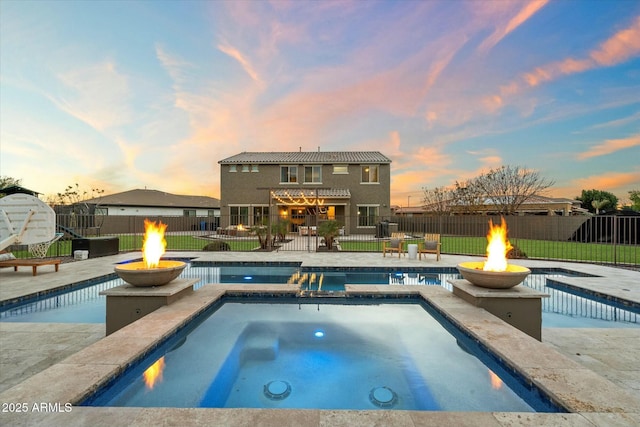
pixel 562 309
pixel 323 356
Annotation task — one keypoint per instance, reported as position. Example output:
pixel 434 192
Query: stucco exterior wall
pixel 252 188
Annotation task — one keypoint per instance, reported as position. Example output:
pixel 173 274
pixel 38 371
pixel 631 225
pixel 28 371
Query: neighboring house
pixel 352 187
pixel 408 210
pixel 154 203
pixel 534 205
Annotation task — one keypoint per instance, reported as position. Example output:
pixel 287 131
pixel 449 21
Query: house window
pixel 313 174
pixel 367 216
pixel 239 215
pixel 245 168
pixel 260 215
pixel 211 212
pixel 370 173
pixel 189 212
pixel 233 168
pixel 288 174
pixel 340 169
pixel 254 168
pixel 102 211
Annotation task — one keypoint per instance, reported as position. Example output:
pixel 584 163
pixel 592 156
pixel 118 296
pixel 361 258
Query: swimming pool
pixel 562 309
pixel 287 354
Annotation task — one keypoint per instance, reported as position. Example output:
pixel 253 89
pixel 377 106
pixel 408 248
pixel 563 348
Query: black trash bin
pixel 382 229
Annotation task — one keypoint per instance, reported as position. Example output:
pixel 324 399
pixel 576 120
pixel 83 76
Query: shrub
pixel 217 245
pixel 516 252
pixel 329 230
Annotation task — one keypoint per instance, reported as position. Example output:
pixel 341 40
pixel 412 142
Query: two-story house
pixel 352 187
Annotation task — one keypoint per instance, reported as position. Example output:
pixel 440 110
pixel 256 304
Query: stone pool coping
pixel 591 399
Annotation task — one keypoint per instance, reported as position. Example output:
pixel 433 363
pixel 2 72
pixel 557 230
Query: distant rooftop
pixel 323 157
pixel 150 198
pixel 13 189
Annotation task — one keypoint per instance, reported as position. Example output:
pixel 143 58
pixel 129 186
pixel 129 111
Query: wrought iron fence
pixel 596 239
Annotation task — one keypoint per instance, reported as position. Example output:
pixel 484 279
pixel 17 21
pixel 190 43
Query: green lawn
pixel 540 249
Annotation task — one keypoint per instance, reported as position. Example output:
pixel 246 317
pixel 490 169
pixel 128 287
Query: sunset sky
pixel 119 95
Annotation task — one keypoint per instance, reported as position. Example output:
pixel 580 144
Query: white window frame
pixel 341 169
pixel 371 168
pixel 373 218
pixel 312 167
pixel 289 169
pixel 241 213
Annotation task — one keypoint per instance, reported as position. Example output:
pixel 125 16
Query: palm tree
pixel 599 204
pixel 329 230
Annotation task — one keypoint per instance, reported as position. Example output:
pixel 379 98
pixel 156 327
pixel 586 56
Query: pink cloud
pixel 432 156
pixel 620 47
pixel 238 56
pixel 610 146
pixel 526 12
pixel 612 181
pixel 623 45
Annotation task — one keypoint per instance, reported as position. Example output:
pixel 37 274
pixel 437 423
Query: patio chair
pixel 430 245
pixel 396 244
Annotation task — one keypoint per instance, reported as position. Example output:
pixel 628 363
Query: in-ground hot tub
pixel 329 354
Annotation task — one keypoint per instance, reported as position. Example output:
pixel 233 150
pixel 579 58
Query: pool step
pixel 260 347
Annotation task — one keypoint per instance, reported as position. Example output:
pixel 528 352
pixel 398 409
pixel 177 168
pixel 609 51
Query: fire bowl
pixel 473 272
pixel 137 274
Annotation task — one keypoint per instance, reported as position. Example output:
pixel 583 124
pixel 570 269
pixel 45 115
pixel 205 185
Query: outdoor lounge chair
pixel 33 263
pixel 430 245
pixel 395 244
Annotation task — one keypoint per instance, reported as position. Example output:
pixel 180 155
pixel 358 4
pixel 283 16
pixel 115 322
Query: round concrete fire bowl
pixel 512 276
pixel 137 273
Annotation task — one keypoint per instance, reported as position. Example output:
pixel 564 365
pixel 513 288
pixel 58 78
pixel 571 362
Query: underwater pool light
pixel 319 333
pixel 248 277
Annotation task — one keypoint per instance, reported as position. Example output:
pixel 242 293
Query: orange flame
pixel 153 373
pixel 154 244
pixel 240 227
pixel 498 247
pixel 496 382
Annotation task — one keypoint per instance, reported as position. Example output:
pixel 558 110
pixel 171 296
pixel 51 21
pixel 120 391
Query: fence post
pixel 614 238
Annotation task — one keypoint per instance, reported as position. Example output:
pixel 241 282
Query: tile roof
pixel 324 157
pixel 156 198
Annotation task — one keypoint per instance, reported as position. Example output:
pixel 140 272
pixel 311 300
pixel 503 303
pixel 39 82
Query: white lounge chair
pixel 25 220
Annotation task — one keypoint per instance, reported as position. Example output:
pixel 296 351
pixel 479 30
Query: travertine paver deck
pixel 28 348
pixel 604 363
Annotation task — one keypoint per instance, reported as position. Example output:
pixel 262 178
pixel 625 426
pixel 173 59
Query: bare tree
pixel 73 202
pixel 508 187
pixel 437 200
pixel 72 195
pixel 468 197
